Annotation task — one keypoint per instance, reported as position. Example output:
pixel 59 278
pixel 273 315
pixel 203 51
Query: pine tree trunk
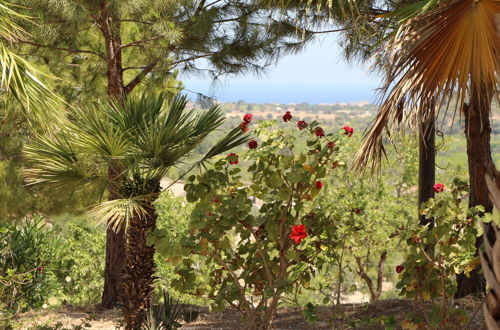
pixel 139 269
pixel 115 241
pixel 426 162
pixel 477 131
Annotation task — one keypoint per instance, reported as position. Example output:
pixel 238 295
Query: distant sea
pixel 283 93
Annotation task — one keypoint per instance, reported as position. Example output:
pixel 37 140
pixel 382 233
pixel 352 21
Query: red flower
pixel 319 185
pixel 252 144
pixel 319 132
pixel 348 130
pixel 247 118
pixel 438 187
pixel 244 126
pixel 301 124
pixel 40 269
pixel 399 269
pixel 357 211
pixel 215 200
pixel 331 145
pixel 287 116
pixel 233 158
pixel 298 233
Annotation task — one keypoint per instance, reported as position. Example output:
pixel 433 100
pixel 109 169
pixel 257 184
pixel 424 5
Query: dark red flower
pixel 348 130
pixel 399 269
pixel 302 124
pixel 252 144
pixel 247 118
pixel 319 132
pixel 215 200
pixel 298 233
pixel 40 269
pixel 244 126
pixel 357 211
pixel 438 187
pixel 319 185
pixel 287 116
pixel 233 158
pixel 331 145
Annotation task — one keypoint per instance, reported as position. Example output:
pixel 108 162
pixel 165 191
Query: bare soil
pixel 347 316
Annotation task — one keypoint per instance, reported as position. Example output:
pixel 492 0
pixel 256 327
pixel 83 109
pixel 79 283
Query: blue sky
pixel 318 74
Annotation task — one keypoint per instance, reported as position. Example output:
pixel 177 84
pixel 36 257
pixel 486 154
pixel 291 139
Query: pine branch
pixel 138 42
pixel 70 50
pixel 136 21
pixel 147 69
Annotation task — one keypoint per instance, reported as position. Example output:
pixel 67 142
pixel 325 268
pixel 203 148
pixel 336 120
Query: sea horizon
pixel 283 93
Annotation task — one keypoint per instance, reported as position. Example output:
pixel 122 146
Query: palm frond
pixel 20 78
pixel 231 140
pixel 490 261
pixel 54 161
pixel 95 133
pixel 443 56
pixel 116 213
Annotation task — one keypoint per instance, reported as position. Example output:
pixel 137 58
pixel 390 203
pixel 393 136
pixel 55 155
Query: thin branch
pixel 328 31
pixel 138 42
pixel 70 50
pixel 147 69
pixel 136 21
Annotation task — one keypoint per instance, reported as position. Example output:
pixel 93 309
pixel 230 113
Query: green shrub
pixel 43 265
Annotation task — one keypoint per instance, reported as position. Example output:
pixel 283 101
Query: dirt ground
pixel 348 316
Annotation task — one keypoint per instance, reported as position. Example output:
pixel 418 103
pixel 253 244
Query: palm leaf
pixel 117 213
pixel 490 261
pixel 443 56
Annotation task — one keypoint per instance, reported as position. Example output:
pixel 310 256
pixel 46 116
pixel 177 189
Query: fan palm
pixel 138 140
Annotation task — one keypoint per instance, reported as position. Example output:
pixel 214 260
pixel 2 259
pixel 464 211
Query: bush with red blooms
pixel 262 233
pixel 438 253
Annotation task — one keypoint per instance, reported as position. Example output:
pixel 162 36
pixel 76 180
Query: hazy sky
pixel 319 74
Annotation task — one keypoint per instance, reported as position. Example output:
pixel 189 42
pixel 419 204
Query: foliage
pixel 166 315
pixel 439 252
pixel 365 211
pixel 19 78
pixel 173 216
pixel 259 252
pixel 39 268
pixel 27 254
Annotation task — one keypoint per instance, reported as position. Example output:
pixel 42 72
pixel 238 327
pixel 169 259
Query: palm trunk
pixel 477 131
pixel 139 269
pixel 426 162
pixel 115 240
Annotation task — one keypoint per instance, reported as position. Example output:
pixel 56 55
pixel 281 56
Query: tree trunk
pixel 139 269
pixel 115 241
pixel 115 248
pixel 477 131
pixel 426 162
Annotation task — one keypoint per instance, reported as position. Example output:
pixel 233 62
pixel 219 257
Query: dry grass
pixel 348 316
